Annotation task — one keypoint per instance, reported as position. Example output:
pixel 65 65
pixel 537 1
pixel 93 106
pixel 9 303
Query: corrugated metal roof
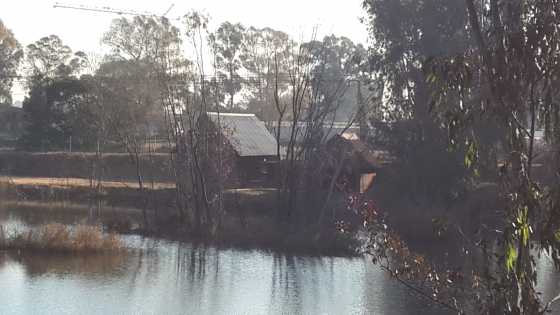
pixel 246 133
pixel 329 131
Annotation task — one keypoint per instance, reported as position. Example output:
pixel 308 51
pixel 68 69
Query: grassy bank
pixel 249 222
pixel 61 238
pixel 159 199
pixel 120 194
pixel 115 166
pixel 61 179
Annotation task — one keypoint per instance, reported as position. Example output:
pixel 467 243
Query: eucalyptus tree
pixel 509 76
pixel 338 64
pixel 51 67
pixel 49 58
pixel 262 49
pixel 502 72
pixel 141 39
pixel 131 76
pixel 404 34
pixel 132 71
pixel 227 45
pixel 11 55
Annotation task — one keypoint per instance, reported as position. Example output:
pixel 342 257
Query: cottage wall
pixel 237 171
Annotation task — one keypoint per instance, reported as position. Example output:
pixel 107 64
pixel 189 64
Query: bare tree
pixel 197 141
pixel 315 97
pixel 137 46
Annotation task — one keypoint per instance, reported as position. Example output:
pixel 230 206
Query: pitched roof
pixel 246 133
pixel 363 156
pixel 330 129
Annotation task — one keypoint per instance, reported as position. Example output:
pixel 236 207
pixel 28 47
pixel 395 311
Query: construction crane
pixel 106 9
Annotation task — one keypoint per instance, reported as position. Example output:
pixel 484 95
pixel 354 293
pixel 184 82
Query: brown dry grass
pixel 57 237
pixel 77 182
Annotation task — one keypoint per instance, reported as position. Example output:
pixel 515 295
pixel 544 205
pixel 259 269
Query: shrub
pixel 53 236
pixel 56 237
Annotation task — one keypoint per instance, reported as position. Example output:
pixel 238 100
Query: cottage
pixel 354 163
pixel 330 129
pixel 255 148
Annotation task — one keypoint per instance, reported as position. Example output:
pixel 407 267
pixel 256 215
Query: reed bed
pixel 56 237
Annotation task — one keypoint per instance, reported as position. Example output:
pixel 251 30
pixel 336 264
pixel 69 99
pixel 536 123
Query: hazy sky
pixel 32 19
pixel 82 30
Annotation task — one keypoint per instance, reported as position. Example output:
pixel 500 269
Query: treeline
pixel 160 79
pixel 237 68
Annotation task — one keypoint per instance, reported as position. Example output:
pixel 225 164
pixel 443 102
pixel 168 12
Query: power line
pixel 107 9
pixel 211 78
pixel 170 7
pixel 101 9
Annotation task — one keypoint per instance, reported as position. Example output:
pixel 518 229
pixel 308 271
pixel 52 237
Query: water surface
pixel 167 277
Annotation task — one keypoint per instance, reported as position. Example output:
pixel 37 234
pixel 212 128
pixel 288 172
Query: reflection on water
pixel 548 281
pixel 176 278
pixel 37 265
pixel 24 214
pixel 183 279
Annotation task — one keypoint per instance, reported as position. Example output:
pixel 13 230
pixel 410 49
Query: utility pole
pixel 362 119
pixel 361 113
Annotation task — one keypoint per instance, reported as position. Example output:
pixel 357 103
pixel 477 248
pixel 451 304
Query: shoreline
pixel 118 209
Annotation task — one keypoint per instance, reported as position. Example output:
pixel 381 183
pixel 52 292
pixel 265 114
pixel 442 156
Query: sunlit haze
pixel 82 30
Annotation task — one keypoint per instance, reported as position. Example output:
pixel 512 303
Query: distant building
pixel 330 129
pixel 254 147
pixel 353 162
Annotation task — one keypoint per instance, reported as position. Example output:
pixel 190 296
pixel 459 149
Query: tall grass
pixel 61 238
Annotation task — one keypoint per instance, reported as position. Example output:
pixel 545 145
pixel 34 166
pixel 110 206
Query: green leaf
pixel 511 257
pixel 476 172
pixel 471 154
pixel 525 234
pixel 557 235
pixel 523 228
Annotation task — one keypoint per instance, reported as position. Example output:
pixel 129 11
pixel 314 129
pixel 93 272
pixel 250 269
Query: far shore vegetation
pixel 59 238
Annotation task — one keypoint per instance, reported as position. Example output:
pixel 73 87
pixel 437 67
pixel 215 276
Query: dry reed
pixel 61 238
